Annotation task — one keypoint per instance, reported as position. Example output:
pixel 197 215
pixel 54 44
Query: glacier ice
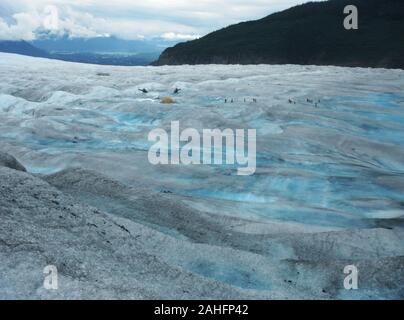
pixel 327 174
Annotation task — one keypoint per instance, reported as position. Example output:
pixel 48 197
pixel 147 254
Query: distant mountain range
pixel 311 33
pixel 102 50
pixel 22 47
pixel 101 44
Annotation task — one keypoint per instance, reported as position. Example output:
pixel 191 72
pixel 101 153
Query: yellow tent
pixel 167 100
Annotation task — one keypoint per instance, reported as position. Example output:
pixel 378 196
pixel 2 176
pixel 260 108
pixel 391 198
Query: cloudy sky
pixel 128 19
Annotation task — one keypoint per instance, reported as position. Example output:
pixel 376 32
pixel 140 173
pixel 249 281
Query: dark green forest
pixel 312 33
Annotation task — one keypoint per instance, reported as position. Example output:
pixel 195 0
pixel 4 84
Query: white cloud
pixel 24 27
pixel 174 19
pixel 179 36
